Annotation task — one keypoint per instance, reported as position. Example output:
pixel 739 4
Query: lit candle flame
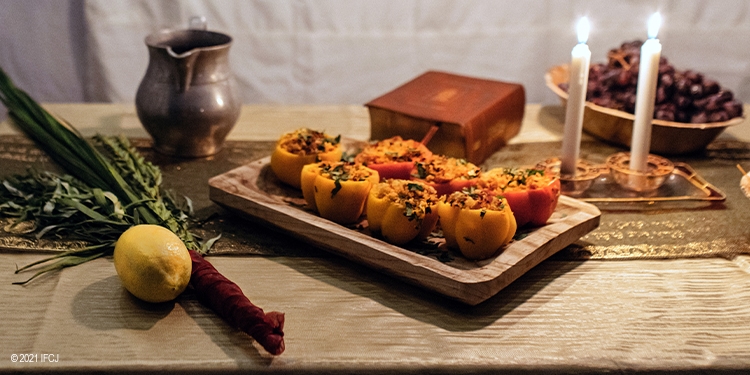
pixel 654 22
pixel 583 30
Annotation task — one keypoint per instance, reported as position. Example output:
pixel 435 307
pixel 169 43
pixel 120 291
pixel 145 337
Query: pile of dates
pixel 681 96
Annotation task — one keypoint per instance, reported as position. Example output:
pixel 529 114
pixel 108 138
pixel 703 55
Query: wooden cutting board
pixel 254 191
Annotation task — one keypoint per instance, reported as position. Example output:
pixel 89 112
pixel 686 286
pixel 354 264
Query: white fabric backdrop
pixel 349 51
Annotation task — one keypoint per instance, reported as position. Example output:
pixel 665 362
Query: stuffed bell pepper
pixel 477 222
pixel 446 174
pixel 532 194
pixel 300 147
pixel 402 211
pixel 393 157
pixel 337 190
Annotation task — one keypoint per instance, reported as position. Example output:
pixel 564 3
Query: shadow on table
pixel 234 343
pixel 105 305
pixel 432 308
pixel 96 308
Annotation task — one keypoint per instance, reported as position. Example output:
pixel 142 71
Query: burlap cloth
pixel 702 229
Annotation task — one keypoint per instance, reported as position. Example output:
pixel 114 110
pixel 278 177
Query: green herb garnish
pixel 336 187
pixel 421 171
pixel 413 186
pixel 338 173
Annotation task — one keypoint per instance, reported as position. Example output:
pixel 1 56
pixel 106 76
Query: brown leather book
pixel 474 117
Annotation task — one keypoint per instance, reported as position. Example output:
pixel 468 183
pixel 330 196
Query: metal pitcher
pixel 187 100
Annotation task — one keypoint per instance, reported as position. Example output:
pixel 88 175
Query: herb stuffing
pixel 476 199
pixel 306 141
pixel 417 199
pixel 393 150
pixel 440 169
pixel 515 179
pixel 343 171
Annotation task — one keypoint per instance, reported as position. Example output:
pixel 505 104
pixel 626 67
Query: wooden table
pixel 686 315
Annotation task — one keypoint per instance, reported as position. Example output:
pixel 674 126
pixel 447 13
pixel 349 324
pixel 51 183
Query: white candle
pixel 580 59
pixel 648 73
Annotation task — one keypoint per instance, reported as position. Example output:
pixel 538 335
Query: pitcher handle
pixel 198 23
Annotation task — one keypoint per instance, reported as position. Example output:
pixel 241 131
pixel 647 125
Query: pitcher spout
pixel 185 65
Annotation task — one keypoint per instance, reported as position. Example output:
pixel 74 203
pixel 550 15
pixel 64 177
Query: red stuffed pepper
pixel 446 174
pixel 393 157
pixel 532 194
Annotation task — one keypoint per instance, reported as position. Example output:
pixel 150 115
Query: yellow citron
pixel 152 262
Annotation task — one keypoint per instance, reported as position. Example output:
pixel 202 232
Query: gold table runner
pixel 643 231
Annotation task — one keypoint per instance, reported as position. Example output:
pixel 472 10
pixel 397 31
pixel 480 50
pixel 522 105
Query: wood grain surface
pixel 253 190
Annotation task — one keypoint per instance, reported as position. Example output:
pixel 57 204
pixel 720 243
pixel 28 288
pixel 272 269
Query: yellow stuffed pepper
pixel 477 222
pixel 303 146
pixel 402 210
pixel 337 190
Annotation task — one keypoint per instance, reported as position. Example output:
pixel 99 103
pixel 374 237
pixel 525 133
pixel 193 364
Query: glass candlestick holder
pixel 572 184
pixel 657 171
pixel 615 186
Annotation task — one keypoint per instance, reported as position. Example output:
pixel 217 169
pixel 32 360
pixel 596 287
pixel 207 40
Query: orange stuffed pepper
pixel 532 194
pixel 477 222
pixel 393 157
pixel 337 190
pixel 446 174
pixel 300 147
pixel 402 210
